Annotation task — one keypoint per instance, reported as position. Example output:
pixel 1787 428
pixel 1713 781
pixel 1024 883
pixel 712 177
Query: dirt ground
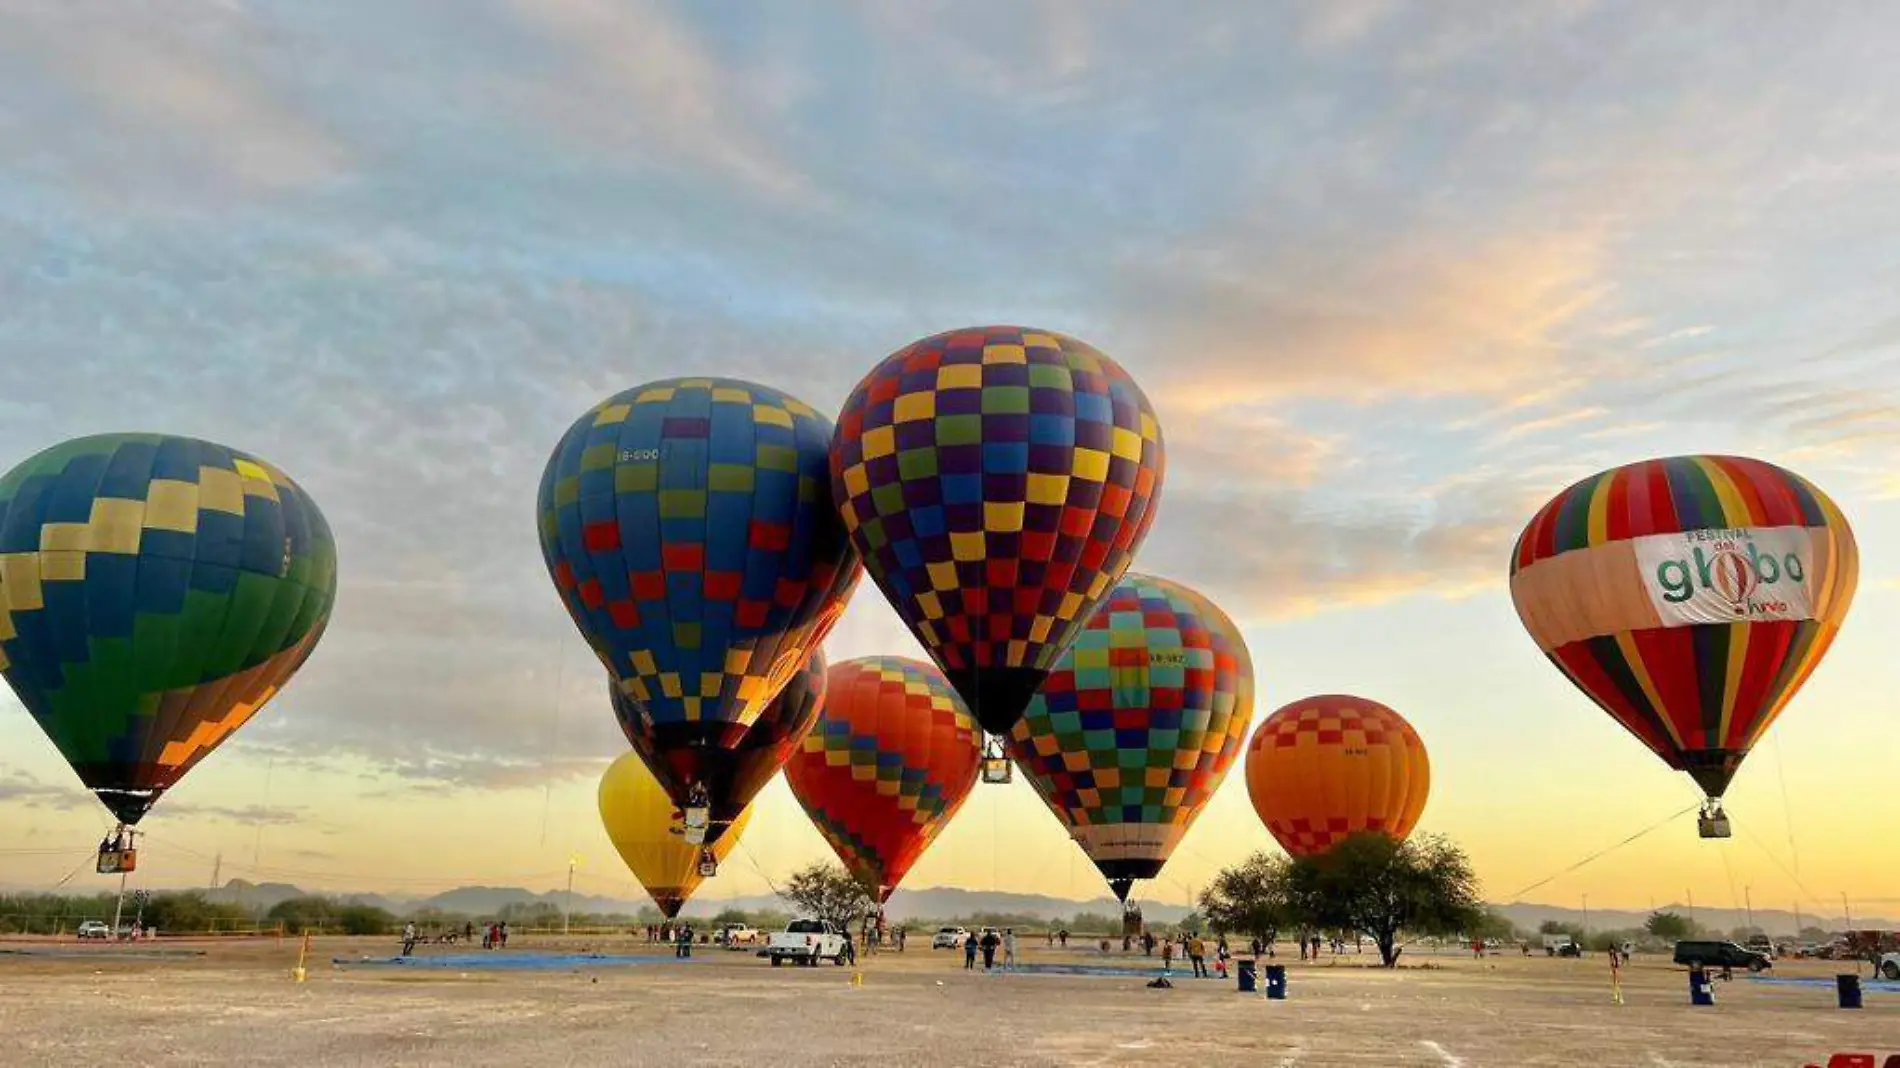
pixel 196 1004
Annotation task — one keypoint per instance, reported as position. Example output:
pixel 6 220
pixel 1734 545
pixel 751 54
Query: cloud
pixel 637 76
pixel 25 789
pixel 159 100
pixel 248 815
pixel 1386 273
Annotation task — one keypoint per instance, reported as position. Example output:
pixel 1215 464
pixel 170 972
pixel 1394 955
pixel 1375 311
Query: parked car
pixel 950 938
pixel 735 935
pixel 1561 945
pixel 1763 945
pixel 806 942
pixel 1721 955
pixel 92 929
pixel 1890 966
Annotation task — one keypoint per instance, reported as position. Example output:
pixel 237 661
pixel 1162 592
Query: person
pixel 1477 949
pixel 990 942
pixel 683 947
pixel 503 935
pixel 1148 943
pixel 850 951
pixel 1063 937
pixel 1221 953
pixel 1167 956
pixel 468 931
pixel 408 938
pixel 1197 953
pixel 1009 948
pixel 969 952
pixel 1049 937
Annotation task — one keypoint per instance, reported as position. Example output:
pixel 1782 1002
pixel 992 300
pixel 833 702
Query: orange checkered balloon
pixel 1325 767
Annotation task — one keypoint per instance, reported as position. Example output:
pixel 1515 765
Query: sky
pixel 1392 275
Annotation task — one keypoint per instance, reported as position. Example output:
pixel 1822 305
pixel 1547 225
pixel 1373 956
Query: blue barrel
pixel 1848 988
pixel 1244 973
pixel 1276 982
pixel 1701 990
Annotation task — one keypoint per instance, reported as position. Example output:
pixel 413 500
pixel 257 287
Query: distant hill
pixel 1774 921
pixel 942 902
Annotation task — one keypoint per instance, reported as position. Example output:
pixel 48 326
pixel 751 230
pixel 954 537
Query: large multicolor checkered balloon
pixel 1138 724
pixel 1326 767
pixel 733 774
pixel 155 592
pixel 891 760
pixel 689 527
pixel 997 482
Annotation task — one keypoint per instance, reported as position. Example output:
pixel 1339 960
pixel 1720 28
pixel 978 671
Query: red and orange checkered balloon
pixel 997 482
pixel 1326 767
pixel 891 759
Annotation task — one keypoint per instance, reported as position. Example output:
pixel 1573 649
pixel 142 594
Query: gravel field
pixel 187 1004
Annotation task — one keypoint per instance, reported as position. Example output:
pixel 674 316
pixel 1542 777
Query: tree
pixel 1814 934
pixel 1253 898
pixel 1493 924
pixel 1669 926
pixel 1377 885
pixel 727 916
pixel 828 892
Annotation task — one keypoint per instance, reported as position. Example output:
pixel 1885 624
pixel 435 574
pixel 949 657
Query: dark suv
pixel 1721 955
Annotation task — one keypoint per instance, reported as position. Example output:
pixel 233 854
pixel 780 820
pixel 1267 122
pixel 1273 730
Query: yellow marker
pixel 303 952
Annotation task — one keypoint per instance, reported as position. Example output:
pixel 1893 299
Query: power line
pixel 1519 896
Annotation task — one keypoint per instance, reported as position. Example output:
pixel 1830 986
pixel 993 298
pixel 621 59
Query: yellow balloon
pixel 638 816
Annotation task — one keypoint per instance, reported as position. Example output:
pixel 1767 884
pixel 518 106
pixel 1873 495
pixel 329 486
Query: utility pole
pixel 1846 911
pixel 217 869
pixel 1797 918
pixel 1691 894
pixel 1748 898
pixel 1586 915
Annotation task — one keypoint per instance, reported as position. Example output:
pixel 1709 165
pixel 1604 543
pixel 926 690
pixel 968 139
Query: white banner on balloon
pixel 1734 575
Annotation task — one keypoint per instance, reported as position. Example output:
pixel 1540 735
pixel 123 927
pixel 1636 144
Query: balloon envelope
pixel 1325 767
pixel 891 759
pixel 997 482
pixel 1138 724
pixel 734 774
pixel 155 592
pixel 1689 597
pixel 689 528
pixel 638 816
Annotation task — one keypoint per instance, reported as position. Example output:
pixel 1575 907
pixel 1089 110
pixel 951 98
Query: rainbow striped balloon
pixel 1690 597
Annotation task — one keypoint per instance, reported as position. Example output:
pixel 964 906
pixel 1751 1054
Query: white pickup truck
pixel 807 942
pixel 737 935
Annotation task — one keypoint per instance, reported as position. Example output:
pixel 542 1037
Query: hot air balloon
pixel 155 592
pixel 997 481
pixel 735 774
pixel 1326 767
pixel 1138 724
pixel 1689 597
pixel 689 528
pixel 639 817
pixel 891 759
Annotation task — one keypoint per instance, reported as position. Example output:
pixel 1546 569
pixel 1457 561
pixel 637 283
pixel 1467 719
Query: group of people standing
pixel 988 943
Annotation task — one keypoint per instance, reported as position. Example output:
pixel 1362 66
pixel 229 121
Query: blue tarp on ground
pixel 1878 986
pixel 506 960
pixel 1108 970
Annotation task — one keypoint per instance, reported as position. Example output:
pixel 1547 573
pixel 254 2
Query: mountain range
pixel 941 902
